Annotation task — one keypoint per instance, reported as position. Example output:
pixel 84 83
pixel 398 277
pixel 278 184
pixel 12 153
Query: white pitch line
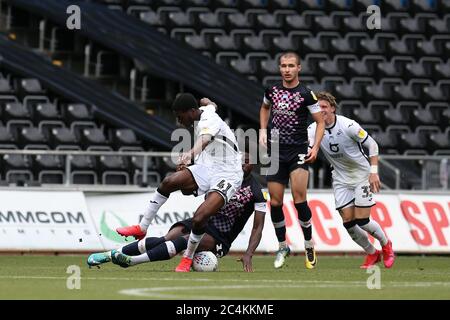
pixel 287 281
pixel 158 292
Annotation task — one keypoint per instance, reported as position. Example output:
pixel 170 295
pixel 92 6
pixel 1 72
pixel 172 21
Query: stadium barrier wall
pixel 73 221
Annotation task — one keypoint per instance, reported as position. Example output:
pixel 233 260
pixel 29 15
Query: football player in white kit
pixel 355 177
pixel 214 168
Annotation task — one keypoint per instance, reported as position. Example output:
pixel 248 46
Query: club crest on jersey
pixel 298 99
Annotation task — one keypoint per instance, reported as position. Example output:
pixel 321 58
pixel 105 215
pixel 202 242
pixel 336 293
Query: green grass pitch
pixel 336 277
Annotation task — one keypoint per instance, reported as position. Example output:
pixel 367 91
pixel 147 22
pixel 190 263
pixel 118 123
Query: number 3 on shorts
pixel 225 188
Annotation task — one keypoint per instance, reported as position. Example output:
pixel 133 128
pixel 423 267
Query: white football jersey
pixel 223 150
pixel 342 147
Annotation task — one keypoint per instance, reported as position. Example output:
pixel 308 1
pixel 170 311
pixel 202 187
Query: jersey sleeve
pixel 354 131
pixel 267 99
pixel 259 199
pixel 209 124
pixel 311 102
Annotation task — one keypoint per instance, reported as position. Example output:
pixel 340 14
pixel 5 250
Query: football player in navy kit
pixel 283 121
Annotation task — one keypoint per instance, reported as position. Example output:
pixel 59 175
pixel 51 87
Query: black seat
pixel 77 112
pixel 49 169
pixel 46 111
pixel 31 86
pixel 32 137
pixel 62 136
pixel 440 140
pixel 93 136
pixel 16 111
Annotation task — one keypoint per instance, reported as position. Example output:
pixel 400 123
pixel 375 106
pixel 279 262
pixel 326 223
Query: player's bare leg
pixel 358 235
pixel 179 180
pixel 372 227
pixel 299 182
pixel 276 191
pixel 210 207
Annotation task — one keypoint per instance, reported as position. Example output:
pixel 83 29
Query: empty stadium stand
pixel 394 81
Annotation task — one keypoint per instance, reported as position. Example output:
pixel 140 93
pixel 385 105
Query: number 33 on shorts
pixel 225 188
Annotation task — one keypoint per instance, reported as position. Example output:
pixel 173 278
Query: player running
pixel 355 177
pixel 216 172
pixel 221 231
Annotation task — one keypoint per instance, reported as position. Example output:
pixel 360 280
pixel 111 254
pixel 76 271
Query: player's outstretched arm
pixel 320 128
pixel 253 242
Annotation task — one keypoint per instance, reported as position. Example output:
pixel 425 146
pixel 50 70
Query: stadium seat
pixel 366 66
pixel 337 66
pixel 113 169
pixel 93 137
pixel 397 5
pixel 379 44
pixel 6 139
pixel 62 137
pixel 31 86
pixel 45 111
pixel 411 90
pixel 210 20
pixel 17 169
pixel 350 43
pixel 124 137
pixel 16 111
pixel 311 4
pixel 5 86
pixel 442 69
pixel 438 92
pixel 150 17
pixel 32 138
pixel 15 126
pixel 440 140
pixel 77 112
pixel 49 169
pixel 425 5
pixel 383 89
pixel 440 25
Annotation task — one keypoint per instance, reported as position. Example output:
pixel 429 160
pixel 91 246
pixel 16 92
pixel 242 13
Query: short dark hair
pixel 290 54
pixel 184 102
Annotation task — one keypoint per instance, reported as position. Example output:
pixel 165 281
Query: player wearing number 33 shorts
pixel 355 178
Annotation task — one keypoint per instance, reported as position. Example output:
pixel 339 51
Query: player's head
pixel 247 165
pixel 290 65
pixel 185 108
pixel 328 105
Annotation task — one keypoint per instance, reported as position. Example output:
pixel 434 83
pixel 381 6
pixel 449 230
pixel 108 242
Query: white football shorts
pixel 208 179
pixel 357 195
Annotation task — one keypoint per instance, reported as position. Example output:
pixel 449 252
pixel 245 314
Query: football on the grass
pixel 205 261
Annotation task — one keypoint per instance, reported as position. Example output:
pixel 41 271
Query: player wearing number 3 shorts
pixel 212 167
pixel 355 177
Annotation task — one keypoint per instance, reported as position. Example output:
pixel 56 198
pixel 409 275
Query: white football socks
pixel 375 230
pixel 192 245
pixel 360 237
pixel 156 201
